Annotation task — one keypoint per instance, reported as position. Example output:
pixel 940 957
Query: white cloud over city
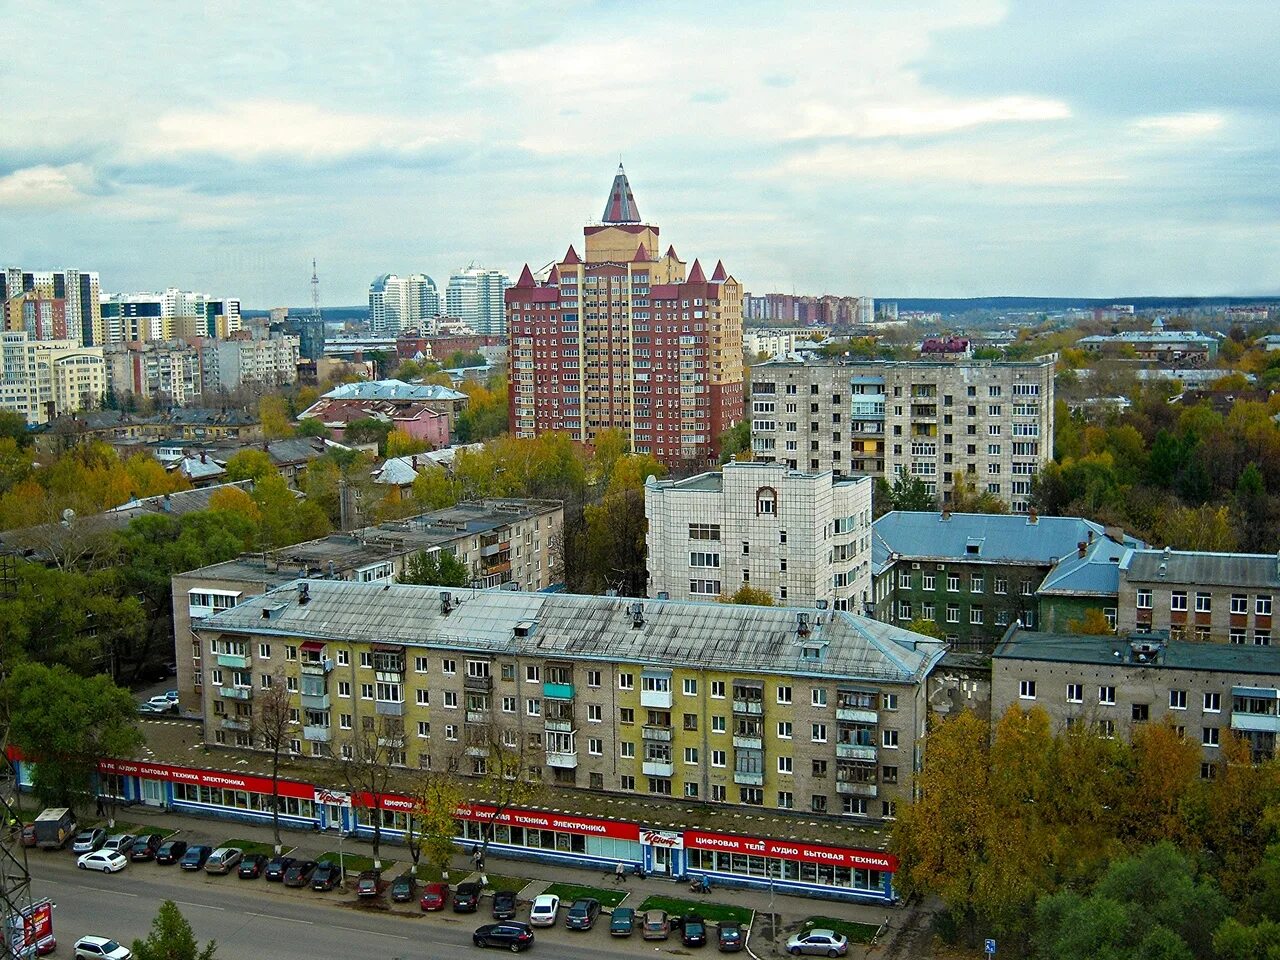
pixel 895 149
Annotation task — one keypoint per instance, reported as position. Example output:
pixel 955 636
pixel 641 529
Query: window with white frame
pixel 1026 689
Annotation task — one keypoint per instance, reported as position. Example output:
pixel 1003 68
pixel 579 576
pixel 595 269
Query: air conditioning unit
pixel 915 566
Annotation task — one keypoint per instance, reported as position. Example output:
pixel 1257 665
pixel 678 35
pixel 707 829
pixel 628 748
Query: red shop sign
pixel 205 778
pixel 791 850
pixel 539 820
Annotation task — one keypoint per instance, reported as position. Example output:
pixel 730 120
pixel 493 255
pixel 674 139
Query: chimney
pixel 1080 548
pixel 204 456
pixel 946 513
pixel 1033 517
pixel 414 463
pixel 167 504
pixel 304 594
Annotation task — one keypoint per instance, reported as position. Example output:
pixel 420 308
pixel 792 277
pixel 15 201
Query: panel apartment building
pixel 625 339
pixel 44 379
pixel 983 423
pixel 800 537
pixel 764 707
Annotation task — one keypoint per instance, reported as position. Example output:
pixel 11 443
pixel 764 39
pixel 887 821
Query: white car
pixel 108 861
pixel 101 948
pixel 545 910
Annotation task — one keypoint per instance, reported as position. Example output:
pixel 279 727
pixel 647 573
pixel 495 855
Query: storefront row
pixel 787 866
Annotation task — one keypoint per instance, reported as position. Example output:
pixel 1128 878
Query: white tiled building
pixel 44 379
pixel 799 537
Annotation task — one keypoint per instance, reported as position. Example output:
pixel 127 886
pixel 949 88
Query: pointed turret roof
pixel 621 205
pixel 642 255
pixel 718 275
pixel 695 273
pixel 571 256
pixel 526 277
pixel 671 252
pixel 554 275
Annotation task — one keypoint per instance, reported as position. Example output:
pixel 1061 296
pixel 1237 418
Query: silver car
pixel 826 943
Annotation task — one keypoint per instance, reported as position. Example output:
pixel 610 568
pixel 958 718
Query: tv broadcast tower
pixel 311 340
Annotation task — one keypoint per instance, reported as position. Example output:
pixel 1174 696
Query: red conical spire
pixel 671 252
pixel 642 255
pixel 571 256
pixel 526 277
pixel 718 275
pixel 695 273
pixel 621 205
pixel 554 276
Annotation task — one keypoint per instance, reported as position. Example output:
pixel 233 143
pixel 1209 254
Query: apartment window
pixel 818 733
pixel 627 750
pixel 784 694
pixel 818 697
pixel 1237 634
pixel 691 721
pixel 889 701
pixel 419 664
pixel 690 687
pixel 953 613
pixel 889 739
pixel 819 769
pixel 1203 603
pixel 1107 696
pixel 1178 600
pixel 264 651
pixel 509 672
pixel 660 785
pixel 1240 603
pixel 691 790
pixel 423 697
pixel 784 729
pixel 904 580
pixel 1177 699
pixel 1208 771
pixel 1075 693
pixel 366 691
pixel 889 774
pixel 595 713
pixel 929 581
pixel 1262 638
pixel 344 721
pixel 717 689
pixel 344 658
pixel 1107 729
pixel 707 588
pixel 595 746
pixel 344 690
pixel 593 678
pixel 451 731
pixel 718 725
pixel 1144 599
pixel 366 660
pixel 450 699
pixel 1025 588
pixel 448 667
pixel 1001 585
pixel 699 559
pixel 627 782
pixel 626 715
pixel 719 758
pixel 785 800
pixel 1026 689
pixel 508 704
pixel 784 765
pixel 975 583
pixel 1262 605
pixel 1140 713
pixel 1212 702
pixel 532 674
pixel 1209 736
pixel 953 583
pixel 626 681
pixel 975 614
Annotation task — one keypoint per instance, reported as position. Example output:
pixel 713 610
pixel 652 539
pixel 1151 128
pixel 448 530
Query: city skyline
pixel 897 151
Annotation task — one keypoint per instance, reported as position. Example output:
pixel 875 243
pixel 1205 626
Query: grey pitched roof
pixel 1116 651
pixel 706 635
pixel 392 390
pixel 1203 567
pixel 980 537
pixel 1097 573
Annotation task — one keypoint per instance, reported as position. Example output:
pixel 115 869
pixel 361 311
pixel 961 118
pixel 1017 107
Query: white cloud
pixel 1180 126
pixel 926 116
pixel 253 129
pixel 45 186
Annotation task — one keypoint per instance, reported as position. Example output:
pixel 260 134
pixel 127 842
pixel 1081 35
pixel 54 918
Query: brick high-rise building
pixel 624 338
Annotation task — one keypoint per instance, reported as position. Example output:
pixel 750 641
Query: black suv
pixel 504 905
pixel 144 848
pixel 278 867
pixel 327 876
pixel 582 915
pixel 171 851
pixel 693 931
pixel 299 875
pixel 195 857
pixel 466 898
pixel 514 936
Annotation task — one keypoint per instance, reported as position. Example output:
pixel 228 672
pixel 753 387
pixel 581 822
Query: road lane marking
pixel 81 886
pixel 204 906
pixel 272 916
pixel 372 933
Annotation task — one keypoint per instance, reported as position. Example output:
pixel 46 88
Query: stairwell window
pixel 1026 689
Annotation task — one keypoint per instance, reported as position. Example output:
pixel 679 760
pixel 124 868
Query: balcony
pixel 658 768
pixel 315 701
pixel 558 726
pixel 852 789
pixel 477 716
pixel 744 778
pixel 658 699
pixel 853 715
pixel 316 667
pixel 748 742
pixel 853 751
pixel 1255 722
pixel 565 761
pixel 236 661
pixel 235 723
pixel 477 751
pixel 754 708
pixel 389 708
pixel 493 549
pixel 656 733
pixel 236 693
pixel 477 683
pixel 316 733
pixel 557 691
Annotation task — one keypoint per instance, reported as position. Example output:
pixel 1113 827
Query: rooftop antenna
pixel 315 291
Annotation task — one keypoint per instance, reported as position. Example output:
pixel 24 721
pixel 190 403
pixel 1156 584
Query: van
pixel 54 827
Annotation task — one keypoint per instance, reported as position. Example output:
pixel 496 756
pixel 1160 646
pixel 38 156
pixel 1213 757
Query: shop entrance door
pixel 661 860
pixel 333 816
pixel 153 793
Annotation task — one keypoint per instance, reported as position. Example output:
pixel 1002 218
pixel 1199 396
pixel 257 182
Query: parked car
pixel 820 942
pixel 108 861
pixel 327 875
pixel 730 937
pixel 404 887
pixel 369 884
pixel 171 695
pixel 504 905
pixel 195 857
pixel 582 915
pixel 693 931
pixel 252 866
pixel 545 909
pixel 171 851
pixel 120 842
pixel 87 841
pixel 622 922
pixel 514 936
pixel 466 899
pixel 101 948
pixel 145 847
pixel 299 875
pixel 277 866
pixel 434 896
pixel 28 834
pixel 223 860
pixel 160 703
pixel 656 926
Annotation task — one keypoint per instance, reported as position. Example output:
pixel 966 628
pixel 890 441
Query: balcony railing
pixel 853 715
pixel 236 661
pixel 853 789
pixel 658 768
pixel 477 683
pixel 236 693
pixel 316 667
pixel 235 723
pixel 657 699
pixel 853 751
pixel 748 742
pixel 314 701
pixel 745 778
pixel 557 691
pixel 316 733
pixel 656 733
pixel 558 726
pixel 565 761
pixel 753 707
pixel 389 708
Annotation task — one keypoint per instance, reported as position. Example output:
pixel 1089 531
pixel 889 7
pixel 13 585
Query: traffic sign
pixel 991 948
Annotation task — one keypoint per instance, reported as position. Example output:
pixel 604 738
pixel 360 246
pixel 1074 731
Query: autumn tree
pixel 364 762
pixel 249 464
pixel 1166 768
pixel 436 794
pixel 507 775
pixel 926 628
pixel 401 444
pixel 748 595
pixel 272 728
pixel 1093 623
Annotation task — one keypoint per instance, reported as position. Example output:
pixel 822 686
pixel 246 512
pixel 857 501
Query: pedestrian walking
pixel 619 873
pixel 101 809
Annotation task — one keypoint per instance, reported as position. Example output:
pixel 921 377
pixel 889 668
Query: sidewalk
pixel 777 915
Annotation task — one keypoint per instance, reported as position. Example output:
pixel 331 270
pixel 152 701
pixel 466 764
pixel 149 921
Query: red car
pixel 434 896
pixel 28 834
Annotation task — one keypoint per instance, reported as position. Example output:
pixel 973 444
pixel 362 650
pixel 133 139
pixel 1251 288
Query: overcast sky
pixel 892 149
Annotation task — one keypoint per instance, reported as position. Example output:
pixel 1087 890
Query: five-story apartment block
pixel 979 424
pixel 775 708
pixel 801 538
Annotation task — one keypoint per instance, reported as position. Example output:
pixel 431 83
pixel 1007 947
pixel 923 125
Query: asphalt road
pixel 252 919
